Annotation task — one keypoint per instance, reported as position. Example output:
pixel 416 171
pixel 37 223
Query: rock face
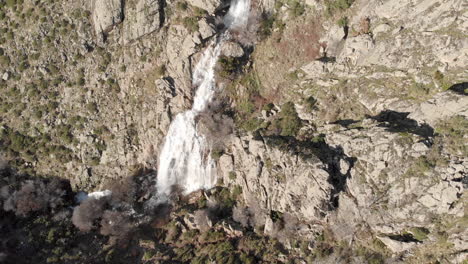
pixel 141 17
pixel 209 5
pixel 277 180
pixel 106 14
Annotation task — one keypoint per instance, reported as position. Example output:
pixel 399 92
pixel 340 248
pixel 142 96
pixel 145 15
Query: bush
pixel 297 9
pixel 217 153
pixel 191 23
pixel 10 3
pixel 290 123
pixel 438 76
pixel 343 22
pixel 92 107
pixel 338 5
pixel 311 103
pixel 182 5
pixel 419 233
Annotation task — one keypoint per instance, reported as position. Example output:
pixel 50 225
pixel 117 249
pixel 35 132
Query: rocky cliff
pixel 349 117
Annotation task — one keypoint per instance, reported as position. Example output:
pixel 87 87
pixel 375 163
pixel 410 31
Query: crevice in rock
pixel 162 15
pixel 122 10
pixel 405 238
pixel 346 32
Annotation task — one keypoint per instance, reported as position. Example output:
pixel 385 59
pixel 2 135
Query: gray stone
pixel 206 30
pixel 106 14
pixel 209 5
pixel 232 49
pixel 397 246
pixel 141 18
pixel 5 76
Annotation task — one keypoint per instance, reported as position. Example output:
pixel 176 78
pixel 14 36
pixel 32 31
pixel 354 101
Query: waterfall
pixel 185 159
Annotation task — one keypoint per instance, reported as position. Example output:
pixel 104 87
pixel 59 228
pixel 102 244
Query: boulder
pixel 106 14
pixel 232 49
pixel 206 30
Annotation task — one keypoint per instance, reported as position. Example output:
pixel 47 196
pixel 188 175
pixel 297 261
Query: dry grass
pixel 277 55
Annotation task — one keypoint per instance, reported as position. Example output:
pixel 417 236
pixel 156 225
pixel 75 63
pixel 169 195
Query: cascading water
pixel 185 159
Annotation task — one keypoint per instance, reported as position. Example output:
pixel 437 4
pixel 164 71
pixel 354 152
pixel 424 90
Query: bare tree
pixel 87 213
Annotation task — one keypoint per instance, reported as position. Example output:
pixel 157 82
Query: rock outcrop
pixel 106 14
pixel 209 5
pixel 141 18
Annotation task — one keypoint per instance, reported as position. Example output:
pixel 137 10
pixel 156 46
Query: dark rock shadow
pixel 326 59
pixel 460 88
pixel 400 123
pixel 345 122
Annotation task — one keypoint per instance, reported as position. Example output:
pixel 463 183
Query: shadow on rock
pixel 400 123
pixel 460 88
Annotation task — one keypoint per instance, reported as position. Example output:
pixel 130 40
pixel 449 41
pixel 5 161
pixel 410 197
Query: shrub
pixel 191 23
pixel 199 12
pixel 266 26
pixel 229 66
pixel 10 3
pixel 161 70
pixel 4 59
pixel 297 9
pixel 343 22
pixel 311 103
pixel 182 5
pixel 92 107
pixel 290 123
pixel 419 233
pixel 438 76
pixel 217 153
pixel 337 5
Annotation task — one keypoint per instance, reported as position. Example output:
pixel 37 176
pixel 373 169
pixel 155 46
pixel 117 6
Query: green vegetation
pixel 182 5
pixel 191 23
pixel 343 22
pixel 217 153
pixel 419 233
pixel 334 6
pixel 452 133
pixel 229 66
pixel 232 175
pixel 289 121
pixel 296 8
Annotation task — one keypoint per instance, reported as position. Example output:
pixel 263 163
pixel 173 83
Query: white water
pixel 185 159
